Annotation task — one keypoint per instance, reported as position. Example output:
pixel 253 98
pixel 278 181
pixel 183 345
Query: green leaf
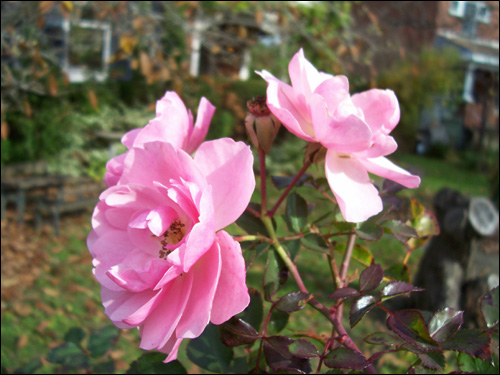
pixel 251 224
pixel 433 359
pixel 343 226
pixel 346 358
pixel 294 301
pixel 360 308
pixel 445 323
pixel 271 276
pixel 254 312
pixel 278 321
pixel 472 365
pixel 107 367
pixel 208 352
pixel 474 342
pixel 410 326
pixel 370 278
pixel 420 369
pixel 100 341
pixel 303 348
pixel 152 363
pixel 424 222
pixel 316 242
pixel 236 332
pixel 369 230
pixel 296 210
pixel 398 272
pixel 69 355
pixel 489 307
pixel 399 230
pixel 417 209
pixel 75 335
pixel 29 368
pixel 293 247
pixel 239 366
pixel 360 254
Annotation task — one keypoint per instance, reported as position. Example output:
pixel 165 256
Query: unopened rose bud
pixel 262 126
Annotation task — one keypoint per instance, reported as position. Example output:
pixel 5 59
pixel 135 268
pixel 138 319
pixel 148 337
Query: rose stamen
pixel 172 236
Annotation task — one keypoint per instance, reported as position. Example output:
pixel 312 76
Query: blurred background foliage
pixel 47 115
pixel 44 116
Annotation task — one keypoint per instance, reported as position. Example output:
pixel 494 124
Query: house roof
pixel 483 52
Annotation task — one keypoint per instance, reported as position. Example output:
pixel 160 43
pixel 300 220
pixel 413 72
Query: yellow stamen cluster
pixel 173 235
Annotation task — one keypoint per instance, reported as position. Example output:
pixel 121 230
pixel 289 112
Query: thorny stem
pixel 333 317
pixel 344 268
pixel 262 160
pixel 347 258
pixel 289 187
pixel 250 238
pixel 325 349
pixel 333 267
pixel 263 334
pixel 253 212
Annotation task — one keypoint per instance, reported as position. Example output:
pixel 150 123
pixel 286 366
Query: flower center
pixel 172 236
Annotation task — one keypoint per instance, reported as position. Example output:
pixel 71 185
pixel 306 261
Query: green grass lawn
pixel 64 294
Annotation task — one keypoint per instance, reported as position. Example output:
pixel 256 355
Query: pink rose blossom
pixel 173 124
pixel 159 256
pixel 355 130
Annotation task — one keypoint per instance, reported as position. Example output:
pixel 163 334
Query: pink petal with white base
pixel 358 199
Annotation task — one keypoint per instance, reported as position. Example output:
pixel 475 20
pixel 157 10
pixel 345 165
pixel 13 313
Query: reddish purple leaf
pixel 237 332
pixel 360 308
pixel 399 230
pixel 489 307
pixel 346 358
pixel 293 301
pixel 279 357
pixel 370 278
pixel 474 342
pixel 410 326
pixel 445 323
pixel 346 292
pixel 398 272
pixel 381 338
pixel 303 349
pixel 433 359
pixel 395 288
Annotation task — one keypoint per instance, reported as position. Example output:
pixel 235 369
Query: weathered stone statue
pixel 461 263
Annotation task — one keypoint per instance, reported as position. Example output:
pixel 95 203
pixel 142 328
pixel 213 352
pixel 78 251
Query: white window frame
pixel 486 18
pixel 80 74
pixel 457 9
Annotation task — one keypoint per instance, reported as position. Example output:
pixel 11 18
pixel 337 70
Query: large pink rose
pixel 162 261
pixel 173 124
pixel 355 130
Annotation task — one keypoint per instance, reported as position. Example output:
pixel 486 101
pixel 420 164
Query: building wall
pixel 447 21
